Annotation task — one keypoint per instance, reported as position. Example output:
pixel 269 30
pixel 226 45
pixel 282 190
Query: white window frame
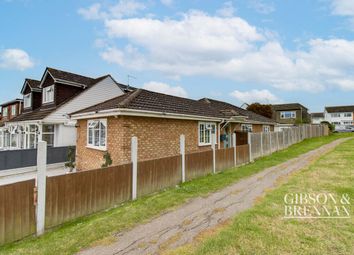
pixel 208 127
pixel 92 145
pixel 348 114
pixel 27 100
pixel 246 128
pixel 48 94
pixel 266 128
pixel 292 115
pixel 5 111
pixel 13 110
pixel 335 115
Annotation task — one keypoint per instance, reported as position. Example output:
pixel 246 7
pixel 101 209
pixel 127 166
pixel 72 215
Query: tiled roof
pixel 145 100
pixel 345 108
pixel 71 77
pixel 231 110
pixel 37 114
pixel 317 115
pixel 285 107
pixel 33 83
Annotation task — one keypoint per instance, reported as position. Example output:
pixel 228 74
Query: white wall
pixel 102 91
pixel 341 119
pixel 316 120
pixel 64 135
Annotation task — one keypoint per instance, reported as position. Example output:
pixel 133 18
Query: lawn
pixel 263 230
pixel 100 227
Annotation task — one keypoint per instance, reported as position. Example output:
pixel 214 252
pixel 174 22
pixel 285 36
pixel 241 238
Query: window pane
pixel 103 137
pixel 90 136
pixel 49 138
pixel 48 128
pixel 96 137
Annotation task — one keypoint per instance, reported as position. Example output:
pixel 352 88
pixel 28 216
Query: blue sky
pixel 238 51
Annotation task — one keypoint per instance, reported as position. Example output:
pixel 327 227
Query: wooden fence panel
pixel 224 159
pixel 242 154
pixel 78 194
pixel 241 138
pixel 274 142
pixel 256 147
pixel 266 143
pixel 199 164
pixel 157 174
pixel 17 211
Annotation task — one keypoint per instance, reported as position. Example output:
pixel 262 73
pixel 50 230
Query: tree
pixel 261 109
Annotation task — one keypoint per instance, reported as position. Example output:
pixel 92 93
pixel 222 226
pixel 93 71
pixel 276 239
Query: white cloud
pixel 167 2
pixel 343 7
pixel 124 8
pixel 15 59
pixel 165 88
pixel 261 7
pixel 253 96
pixel 227 10
pixel 229 47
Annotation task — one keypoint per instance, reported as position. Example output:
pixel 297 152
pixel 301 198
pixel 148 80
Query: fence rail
pixel 78 194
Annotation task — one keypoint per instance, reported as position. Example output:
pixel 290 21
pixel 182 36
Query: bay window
pixel 27 100
pixel 48 94
pixel 206 130
pixel 97 134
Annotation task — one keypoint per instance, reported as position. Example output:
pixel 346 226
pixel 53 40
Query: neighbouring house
pixel 47 103
pixel 10 110
pixel 317 117
pixel 157 120
pixel 340 116
pixel 290 114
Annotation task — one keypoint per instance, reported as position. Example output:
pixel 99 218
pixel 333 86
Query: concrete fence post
pixel 261 143
pixel 249 146
pixel 182 142
pixel 234 145
pixel 270 143
pixel 41 185
pixel 134 159
pixel 284 144
pixel 213 140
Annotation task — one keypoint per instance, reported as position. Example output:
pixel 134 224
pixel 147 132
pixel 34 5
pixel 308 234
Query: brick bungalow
pixel 157 120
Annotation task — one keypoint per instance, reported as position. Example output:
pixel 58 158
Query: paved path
pixel 181 226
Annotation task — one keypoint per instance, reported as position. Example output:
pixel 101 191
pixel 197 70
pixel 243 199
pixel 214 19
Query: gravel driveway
pixel 181 226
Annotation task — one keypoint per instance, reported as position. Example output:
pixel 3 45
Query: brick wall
pixel 157 138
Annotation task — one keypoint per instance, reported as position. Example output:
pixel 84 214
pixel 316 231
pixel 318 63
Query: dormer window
pixel 48 94
pixel 27 100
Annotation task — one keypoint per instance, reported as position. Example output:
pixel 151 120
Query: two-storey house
pixel 47 103
pixel 340 116
pixel 290 114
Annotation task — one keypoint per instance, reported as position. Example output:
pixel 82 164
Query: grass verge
pixel 263 230
pixel 99 228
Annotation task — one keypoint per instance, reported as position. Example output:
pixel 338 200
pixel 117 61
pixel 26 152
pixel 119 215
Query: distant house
pixel 157 120
pixel 47 103
pixel 290 114
pixel 10 110
pixel 317 117
pixel 340 116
